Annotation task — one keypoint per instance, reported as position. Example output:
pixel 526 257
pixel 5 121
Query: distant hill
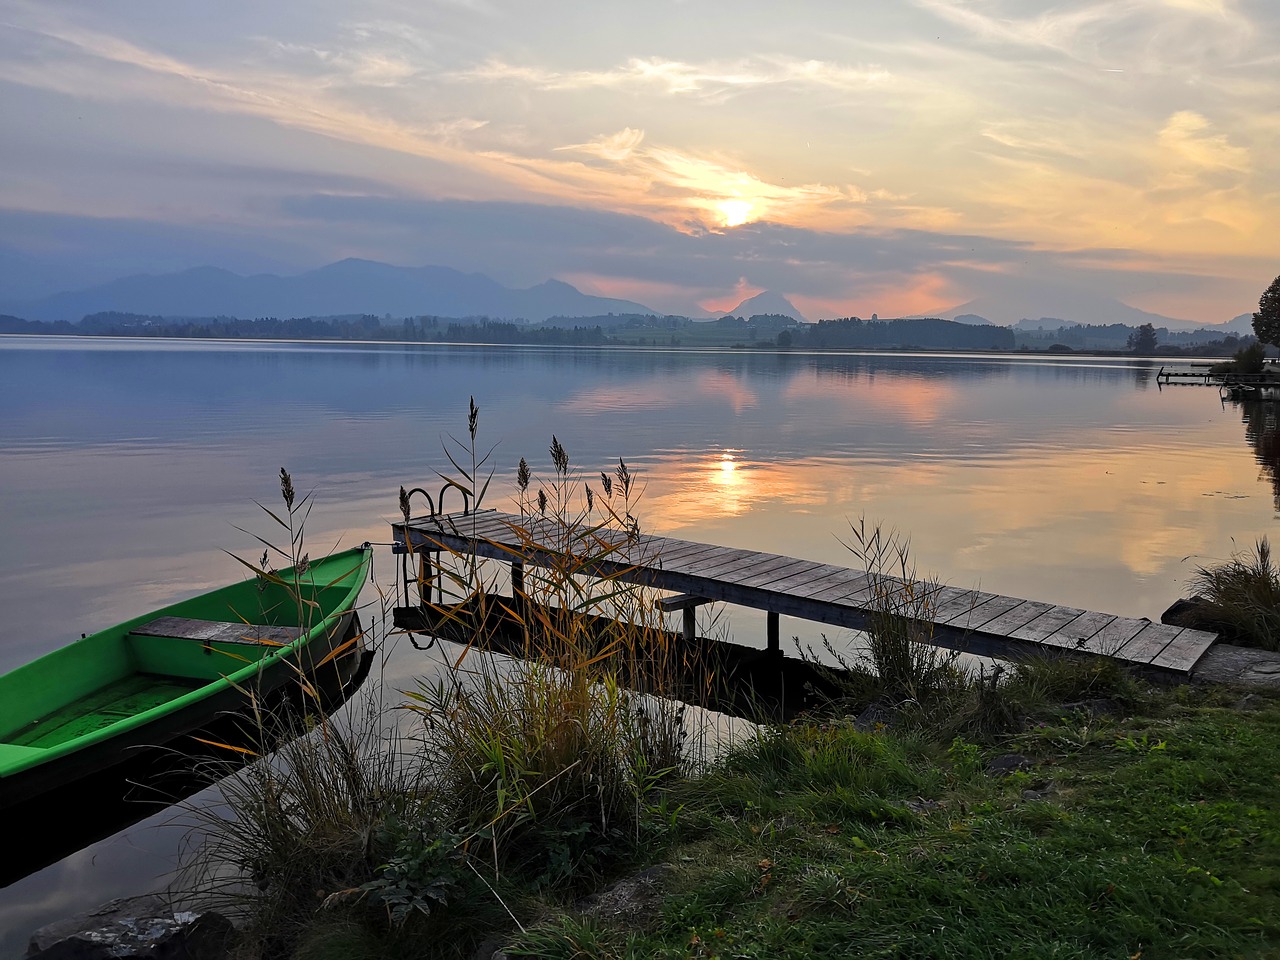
pixel 343 288
pixel 767 303
pixel 1055 307
pixel 915 332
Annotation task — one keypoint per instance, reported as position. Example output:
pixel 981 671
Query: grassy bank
pixel 1148 833
pixel 1141 824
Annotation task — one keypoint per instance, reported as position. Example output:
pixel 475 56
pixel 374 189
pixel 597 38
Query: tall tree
pixel 1266 322
pixel 1142 340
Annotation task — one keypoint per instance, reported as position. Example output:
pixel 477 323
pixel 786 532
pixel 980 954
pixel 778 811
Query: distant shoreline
pixel 642 348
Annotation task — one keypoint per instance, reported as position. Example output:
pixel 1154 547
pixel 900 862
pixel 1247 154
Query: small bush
pixel 1249 360
pixel 1241 598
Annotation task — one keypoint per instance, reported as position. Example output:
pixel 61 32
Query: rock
pixel 1009 763
pixel 1251 701
pixel 1238 666
pixel 921 806
pixel 879 715
pixel 491 949
pixel 136 928
pixel 1042 792
pixel 628 899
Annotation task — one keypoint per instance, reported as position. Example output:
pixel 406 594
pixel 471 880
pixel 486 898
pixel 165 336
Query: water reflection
pixel 1262 431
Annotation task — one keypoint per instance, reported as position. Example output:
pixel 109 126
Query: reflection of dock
pixel 1237 386
pixel 962 619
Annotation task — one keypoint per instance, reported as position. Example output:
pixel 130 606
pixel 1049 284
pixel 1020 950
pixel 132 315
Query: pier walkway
pixel 963 619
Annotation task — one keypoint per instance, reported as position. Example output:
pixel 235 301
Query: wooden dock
pixel 1190 373
pixel 968 620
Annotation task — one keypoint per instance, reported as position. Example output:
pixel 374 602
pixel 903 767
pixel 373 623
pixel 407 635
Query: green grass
pixel 1159 838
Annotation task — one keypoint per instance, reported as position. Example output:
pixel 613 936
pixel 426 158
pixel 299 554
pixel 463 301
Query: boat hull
pixel 101 702
pixel 68 816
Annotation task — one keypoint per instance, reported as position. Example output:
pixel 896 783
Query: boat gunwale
pixel 31 757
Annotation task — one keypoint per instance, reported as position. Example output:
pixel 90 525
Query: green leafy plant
pixel 424 871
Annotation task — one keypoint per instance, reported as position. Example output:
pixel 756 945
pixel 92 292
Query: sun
pixel 735 212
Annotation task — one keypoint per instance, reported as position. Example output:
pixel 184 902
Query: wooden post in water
pixel 517 593
pixel 771 631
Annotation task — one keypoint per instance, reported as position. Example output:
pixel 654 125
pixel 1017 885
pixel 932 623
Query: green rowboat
pixel 95 703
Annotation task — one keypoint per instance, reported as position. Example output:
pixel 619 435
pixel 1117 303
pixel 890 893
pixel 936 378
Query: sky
pixel 857 157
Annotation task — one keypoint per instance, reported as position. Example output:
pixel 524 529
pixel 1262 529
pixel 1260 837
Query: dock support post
pixel 690 624
pixel 772 633
pixel 425 578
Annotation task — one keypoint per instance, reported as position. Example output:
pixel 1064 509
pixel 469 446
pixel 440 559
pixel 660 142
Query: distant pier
pixel 1237 386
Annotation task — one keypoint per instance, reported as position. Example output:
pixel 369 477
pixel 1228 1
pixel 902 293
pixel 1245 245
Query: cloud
pixel 851 158
pixel 617 146
pixel 713 80
pixel 1187 139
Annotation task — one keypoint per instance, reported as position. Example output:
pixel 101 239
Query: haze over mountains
pixel 346 287
pixel 1059 307
pixel 358 287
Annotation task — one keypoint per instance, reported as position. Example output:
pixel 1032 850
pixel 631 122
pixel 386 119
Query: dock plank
pixel 725 564
pixel 1112 638
pixel 1149 643
pixel 833 585
pixel 1185 650
pixel 1047 624
pixel 984 613
pixel 1019 616
pixel 1081 631
pixel 770 571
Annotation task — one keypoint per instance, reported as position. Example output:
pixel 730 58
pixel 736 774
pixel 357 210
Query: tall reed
pixel 314 817
pixel 557 756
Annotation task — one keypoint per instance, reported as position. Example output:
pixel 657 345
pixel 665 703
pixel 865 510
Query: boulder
pixel 136 928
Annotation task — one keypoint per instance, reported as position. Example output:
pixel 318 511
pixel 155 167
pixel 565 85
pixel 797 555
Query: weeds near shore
pixel 555 760
pixel 1241 598
pixel 898 675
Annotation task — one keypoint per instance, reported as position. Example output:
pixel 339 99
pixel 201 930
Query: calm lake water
pixel 126 468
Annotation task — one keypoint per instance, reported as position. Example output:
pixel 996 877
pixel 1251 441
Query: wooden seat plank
pixel 211 631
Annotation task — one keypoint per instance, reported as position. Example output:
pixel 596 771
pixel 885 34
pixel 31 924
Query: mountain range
pixel 358 287
pixel 343 288
pixel 1059 307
